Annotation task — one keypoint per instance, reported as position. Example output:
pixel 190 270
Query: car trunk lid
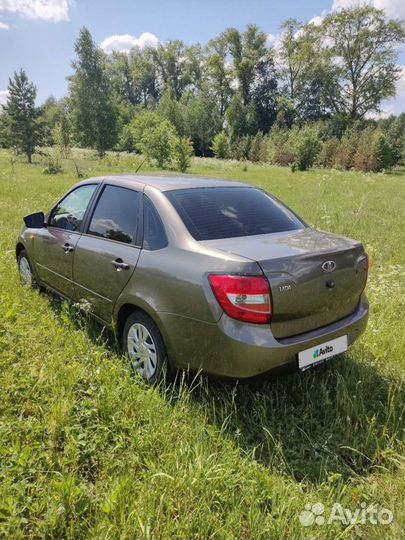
pixel 316 278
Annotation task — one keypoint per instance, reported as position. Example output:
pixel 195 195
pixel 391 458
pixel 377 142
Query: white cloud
pixel 47 10
pixel 3 97
pixel 393 8
pixel 274 40
pixel 271 39
pixel 316 21
pixel 343 4
pixel 4 26
pixel 125 42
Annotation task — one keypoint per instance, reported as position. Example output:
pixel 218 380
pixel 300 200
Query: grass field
pixel 88 451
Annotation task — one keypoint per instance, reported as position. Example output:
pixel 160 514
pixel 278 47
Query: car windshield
pixel 228 212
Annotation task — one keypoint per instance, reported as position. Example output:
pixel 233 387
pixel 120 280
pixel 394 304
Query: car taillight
pixel 246 298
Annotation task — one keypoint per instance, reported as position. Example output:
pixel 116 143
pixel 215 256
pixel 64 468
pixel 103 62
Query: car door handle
pixel 119 264
pixel 68 248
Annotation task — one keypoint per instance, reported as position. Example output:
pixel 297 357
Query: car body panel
pixel 304 295
pixel 53 263
pixel 232 349
pixel 96 280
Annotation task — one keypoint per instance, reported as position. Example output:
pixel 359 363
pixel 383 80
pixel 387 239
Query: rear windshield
pixel 213 213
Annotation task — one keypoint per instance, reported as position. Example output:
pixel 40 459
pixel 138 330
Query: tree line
pixel 306 99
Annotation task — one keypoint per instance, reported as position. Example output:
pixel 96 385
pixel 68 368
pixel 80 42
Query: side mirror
pixel 35 221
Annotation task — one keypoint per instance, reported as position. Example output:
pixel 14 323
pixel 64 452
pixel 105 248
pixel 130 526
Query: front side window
pixel 116 215
pixel 154 236
pixel 213 213
pixel 69 213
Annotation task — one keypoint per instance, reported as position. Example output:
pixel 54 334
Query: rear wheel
pixel 25 269
pixel 144 346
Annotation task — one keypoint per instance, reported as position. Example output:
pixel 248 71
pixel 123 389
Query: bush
pixel 327 155
pixel 307 145
pixel 221 145
pixel 53 166
pixel 182 152
pixel 384 153
pixel 127 140
pixel 156 143
pixel 240 148
pixel 279 149
pixel 258 148
pixel 363 159
pixel 396 137
pixel 345 152
pixel 374 152
pixel 145 121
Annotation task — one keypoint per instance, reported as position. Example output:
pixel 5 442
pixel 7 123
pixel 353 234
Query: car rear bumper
pixel 234 349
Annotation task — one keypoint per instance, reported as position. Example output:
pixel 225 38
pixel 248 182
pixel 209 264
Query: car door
pixel 108 251
pixel 55 244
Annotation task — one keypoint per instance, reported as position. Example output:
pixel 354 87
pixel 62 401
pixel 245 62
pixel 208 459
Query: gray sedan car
pixel 199 273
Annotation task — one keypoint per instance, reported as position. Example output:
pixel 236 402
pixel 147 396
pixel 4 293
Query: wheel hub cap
pixel 142 350
pixel 25 271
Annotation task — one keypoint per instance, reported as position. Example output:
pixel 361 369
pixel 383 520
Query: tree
pixel 48 116
pixel 218 73
pixel 257 147
pixel 286 112
pixel 264 93
pixel 4 138
pixel 194 67
pixel 302 72
pixel 202 120
pixel 173 111
pixel 94 112
pixel 144 72
pixel 360 48
pixel 247 50
pixel 156 143
pixel 182 150
pixel 396 135
pixel 121 77
pixel 62 134
pixel 141 123
pixel 255 79
pixel 221 145
pixel 171 59
pixel 384 153
pixel 21 114
pixel 293 55
pixel 241 118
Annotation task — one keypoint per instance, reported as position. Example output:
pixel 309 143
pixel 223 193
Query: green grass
pixel 88 451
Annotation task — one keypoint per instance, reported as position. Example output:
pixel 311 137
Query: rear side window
pixel 154 236
pixel 213 213
pixel 116 215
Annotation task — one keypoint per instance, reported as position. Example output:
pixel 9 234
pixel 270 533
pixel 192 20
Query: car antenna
pixel 140 165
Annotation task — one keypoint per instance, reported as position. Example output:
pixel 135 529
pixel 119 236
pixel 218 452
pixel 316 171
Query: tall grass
pixel 88 451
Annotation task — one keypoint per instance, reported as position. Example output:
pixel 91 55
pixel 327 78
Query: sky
pixel 39 35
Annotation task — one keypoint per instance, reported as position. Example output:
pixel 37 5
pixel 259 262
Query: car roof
pixel 166 183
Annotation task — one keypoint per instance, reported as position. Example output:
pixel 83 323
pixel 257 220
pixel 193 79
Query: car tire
pixel 25 269
pixel 144 347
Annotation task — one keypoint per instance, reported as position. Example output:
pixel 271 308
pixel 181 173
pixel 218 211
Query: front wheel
pixel 144 346
pixel 25 269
